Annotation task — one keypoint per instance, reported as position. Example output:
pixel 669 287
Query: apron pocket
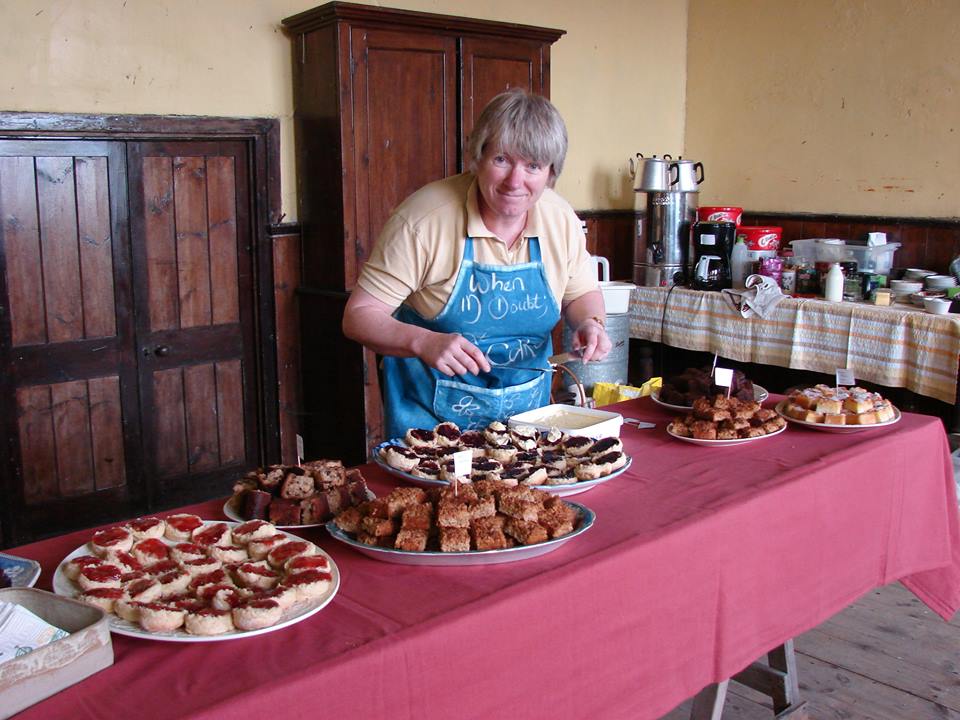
pixel 472 407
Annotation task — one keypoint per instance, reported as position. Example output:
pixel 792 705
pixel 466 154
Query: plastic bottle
pixel 739 262
pixel 833 286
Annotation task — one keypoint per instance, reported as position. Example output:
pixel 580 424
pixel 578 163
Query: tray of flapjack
pixel 552 460
pixel 180 578
pixel 722 421
pixel 481 523
pixel 837 409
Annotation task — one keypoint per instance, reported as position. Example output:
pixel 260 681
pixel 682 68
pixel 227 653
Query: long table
pixel 701 560
pixel 893 346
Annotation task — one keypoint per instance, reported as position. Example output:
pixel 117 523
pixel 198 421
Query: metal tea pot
pixel 651 174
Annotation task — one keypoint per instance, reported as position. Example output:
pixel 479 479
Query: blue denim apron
pixel 508 311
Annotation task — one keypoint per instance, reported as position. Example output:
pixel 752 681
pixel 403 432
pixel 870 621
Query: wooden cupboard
pixel 383 103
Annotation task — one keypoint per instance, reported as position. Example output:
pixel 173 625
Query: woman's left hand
pixel 591 339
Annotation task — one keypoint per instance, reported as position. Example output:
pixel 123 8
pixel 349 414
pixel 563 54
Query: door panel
pixel 492 66
pixel 405 117
pixel 69 384
pixel 195 327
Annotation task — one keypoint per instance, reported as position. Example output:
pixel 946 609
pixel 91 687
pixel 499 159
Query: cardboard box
pixel 44 672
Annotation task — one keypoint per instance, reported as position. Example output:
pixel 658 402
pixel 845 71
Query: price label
pixel 845 377
pixel 299 449
pixel 723 377
pixel 463 463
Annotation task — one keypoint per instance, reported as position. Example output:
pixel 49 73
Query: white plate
pixel 558 490
pixel 823 427
pixel 231 512
pixel 471 557
pixel 724 443
pixel 759 395
pixel 298 612
pixel 21 572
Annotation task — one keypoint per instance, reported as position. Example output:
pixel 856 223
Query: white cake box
pixel 47 670
pixel 571 420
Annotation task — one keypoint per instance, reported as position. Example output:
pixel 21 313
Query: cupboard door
pixel 491 66
pixel 194 314
pixel 69 374
pixel 404 124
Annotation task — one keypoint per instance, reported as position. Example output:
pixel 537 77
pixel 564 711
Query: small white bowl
pixel 937 306
pixel 940 281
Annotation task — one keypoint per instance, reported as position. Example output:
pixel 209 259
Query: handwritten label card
pixel 463 463
pixel 845 377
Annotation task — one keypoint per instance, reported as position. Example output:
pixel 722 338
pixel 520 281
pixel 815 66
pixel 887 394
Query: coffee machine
pixel 712 244
pixel 666 193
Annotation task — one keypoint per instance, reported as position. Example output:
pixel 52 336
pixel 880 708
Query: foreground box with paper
pixel 37 675
pixel 572 420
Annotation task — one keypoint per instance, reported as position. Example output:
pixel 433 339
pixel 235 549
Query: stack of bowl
pixel 903 289
pixel 939 283
pixel 916 274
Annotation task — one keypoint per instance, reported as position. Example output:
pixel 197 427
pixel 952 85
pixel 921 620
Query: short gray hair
pixel 519 122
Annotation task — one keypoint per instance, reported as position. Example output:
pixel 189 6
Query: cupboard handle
pixel 161 351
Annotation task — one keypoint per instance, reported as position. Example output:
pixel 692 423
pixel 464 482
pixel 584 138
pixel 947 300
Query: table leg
pixel 777 679
pixel 708 703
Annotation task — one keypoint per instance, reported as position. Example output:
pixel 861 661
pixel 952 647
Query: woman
pixel 470 275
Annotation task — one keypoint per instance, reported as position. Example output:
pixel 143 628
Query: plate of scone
pixel 838 409
pixel 721 421
pixel 481 523
pixel 552 461
pixel 183 579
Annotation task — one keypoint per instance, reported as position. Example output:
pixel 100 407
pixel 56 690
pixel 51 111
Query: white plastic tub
pixel 572 420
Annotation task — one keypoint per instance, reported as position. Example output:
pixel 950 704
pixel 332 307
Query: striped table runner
pixel 897 346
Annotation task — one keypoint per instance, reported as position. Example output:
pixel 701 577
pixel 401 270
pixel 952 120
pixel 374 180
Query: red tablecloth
pixel 701 560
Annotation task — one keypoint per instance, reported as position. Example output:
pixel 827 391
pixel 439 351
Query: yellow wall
pixel 846 106
pixel 617 75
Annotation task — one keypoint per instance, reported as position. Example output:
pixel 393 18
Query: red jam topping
pixel 211 535
pixel 190 605
pixel 184 523
pixel 208 591
pixel 128 577
pixel 154 548
pixel 143 524
pixel 262 604
pixel 171 577
pixel 86 561
pixel 128 560
pixel 288 550
pixel 105 538
pixel 111 593
pixel 307 562
pixel 190 549
pixel 216 577
pixel 249 527
pixel 162 568
pixel 258 570
pixel 307 577
pixel 100 573
pixel 201 562
pixel 138 586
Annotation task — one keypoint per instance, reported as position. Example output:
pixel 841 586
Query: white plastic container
pixel 873 259
pixel 616 294
pixel 571 420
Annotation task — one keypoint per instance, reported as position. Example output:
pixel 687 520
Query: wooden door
pixel 492 65
pixel 194 299
pixel 68 385
pixel 405 123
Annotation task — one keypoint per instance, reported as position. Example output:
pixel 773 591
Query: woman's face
pixel 509 184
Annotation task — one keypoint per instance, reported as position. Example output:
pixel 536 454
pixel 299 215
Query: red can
pixel 760 238
pixel 719 214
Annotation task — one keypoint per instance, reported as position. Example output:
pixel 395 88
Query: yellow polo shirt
pixel 417 255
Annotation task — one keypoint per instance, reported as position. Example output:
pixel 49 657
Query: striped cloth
pixel 897 346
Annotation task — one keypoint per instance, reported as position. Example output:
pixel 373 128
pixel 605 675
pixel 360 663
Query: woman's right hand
pixel 452 354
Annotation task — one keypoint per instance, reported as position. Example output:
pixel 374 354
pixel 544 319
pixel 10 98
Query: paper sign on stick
pixel 724 378
pixel 463 464
pixel 299 449
pixel 845 377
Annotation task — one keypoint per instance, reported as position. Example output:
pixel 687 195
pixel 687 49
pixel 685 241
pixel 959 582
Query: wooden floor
pixel 886 657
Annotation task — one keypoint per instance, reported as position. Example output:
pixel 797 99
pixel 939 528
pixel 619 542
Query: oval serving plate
pixel 823 427
pixel 298 612
pixel 471 557
pixel 759 395
pixel 724 443
pixel 558 490
pixel 21 572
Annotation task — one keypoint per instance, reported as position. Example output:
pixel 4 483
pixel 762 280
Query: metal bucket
pixel 613 368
